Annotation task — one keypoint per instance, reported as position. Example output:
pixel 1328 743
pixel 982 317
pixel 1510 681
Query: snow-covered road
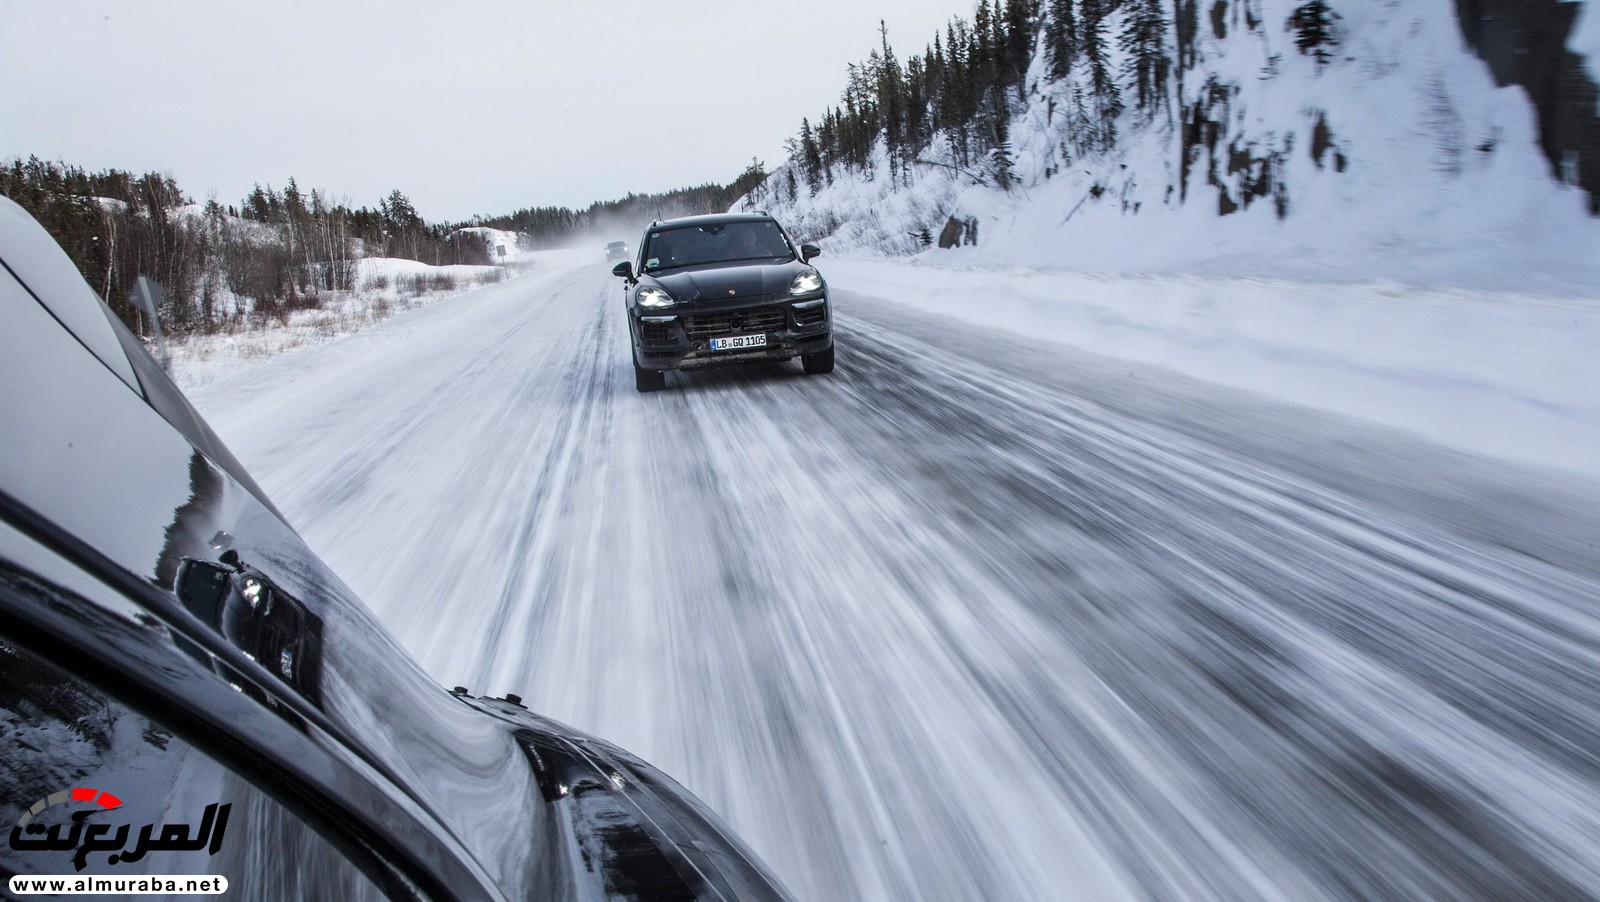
pixel 975 616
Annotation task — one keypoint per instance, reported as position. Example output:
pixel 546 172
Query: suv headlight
pixel 806 283
pixel 654 297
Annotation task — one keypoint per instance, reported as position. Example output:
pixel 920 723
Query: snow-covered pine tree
pixel 255 205
pixel 1001 160
pixel 1019 21
pixel 1315 27
pixel 810 157
pixel 1186 18
pixel 1144 39
pixel 1102 82
pixel 891 105
pixel 1061 37
pixel 958 101
pixel 915 104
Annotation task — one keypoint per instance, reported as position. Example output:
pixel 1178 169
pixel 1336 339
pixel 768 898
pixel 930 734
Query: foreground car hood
pixel 730 282
pixel 631 831
pixel 103 492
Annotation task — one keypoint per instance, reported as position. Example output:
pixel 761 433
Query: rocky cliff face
pixel 1524 43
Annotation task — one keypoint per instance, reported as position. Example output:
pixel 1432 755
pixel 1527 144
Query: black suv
pixel 731 288
pixel 616 250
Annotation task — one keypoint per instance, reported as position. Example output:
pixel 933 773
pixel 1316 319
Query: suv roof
pixel 713 219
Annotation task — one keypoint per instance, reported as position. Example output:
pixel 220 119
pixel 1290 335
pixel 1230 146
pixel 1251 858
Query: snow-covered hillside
pixel 1398 158
pixel 503 246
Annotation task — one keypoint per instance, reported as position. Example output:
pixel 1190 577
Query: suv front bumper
pixel 682 341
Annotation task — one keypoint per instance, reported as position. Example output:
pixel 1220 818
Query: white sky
pixel 481 107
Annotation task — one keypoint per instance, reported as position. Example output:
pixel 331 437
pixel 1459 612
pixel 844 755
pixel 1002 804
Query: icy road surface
pixel 975 616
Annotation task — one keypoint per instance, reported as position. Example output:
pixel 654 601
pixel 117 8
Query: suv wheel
pixel 649 380
pixel 818 363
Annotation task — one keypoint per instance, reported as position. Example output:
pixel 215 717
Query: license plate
pixel 738 341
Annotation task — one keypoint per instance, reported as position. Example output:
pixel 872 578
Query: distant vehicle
pixel 616 250
pixel 724 289
pixel 186 689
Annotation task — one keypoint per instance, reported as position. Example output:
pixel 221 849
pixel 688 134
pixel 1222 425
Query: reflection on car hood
pixel 636 831
pixel 729 282
pixel 87 455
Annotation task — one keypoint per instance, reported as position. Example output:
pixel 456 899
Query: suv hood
pixel 733 282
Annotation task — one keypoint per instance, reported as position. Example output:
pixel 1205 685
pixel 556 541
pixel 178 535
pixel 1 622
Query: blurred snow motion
pixel 977 616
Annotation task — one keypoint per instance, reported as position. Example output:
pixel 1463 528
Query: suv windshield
pixel 720 243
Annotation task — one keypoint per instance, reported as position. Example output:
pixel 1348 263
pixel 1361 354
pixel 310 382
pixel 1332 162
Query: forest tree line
pixel 544 227
pixel 277 251
pixel 954 101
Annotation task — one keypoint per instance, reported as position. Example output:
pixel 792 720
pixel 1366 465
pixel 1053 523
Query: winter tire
pixel 818 363
pixel 648 380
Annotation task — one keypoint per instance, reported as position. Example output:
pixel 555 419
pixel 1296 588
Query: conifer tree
pixel 1144 39
pixel 891 103
pixel 958 91
pixel 1315 28
pixel 1061 37
pixel 1019 21
pixel 1001 160
pixel 916 106
pixel 1186 19
pixel 256 206
pixel 811 157
pixel 981 57
pixel 1103 84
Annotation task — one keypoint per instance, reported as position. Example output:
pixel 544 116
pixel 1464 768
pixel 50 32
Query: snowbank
pixel 497 239
pixel 1511 375
pixel 385 286
pixel 370 269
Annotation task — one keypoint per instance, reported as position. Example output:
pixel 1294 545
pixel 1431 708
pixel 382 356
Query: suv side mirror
pixel 807 251
pixel 623 270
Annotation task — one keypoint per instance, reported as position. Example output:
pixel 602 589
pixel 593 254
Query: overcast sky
pixel 468 108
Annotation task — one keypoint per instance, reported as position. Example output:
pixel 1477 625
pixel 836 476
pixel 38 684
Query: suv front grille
pixel 739 322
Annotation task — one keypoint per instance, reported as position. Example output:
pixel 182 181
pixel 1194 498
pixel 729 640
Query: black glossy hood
pixel 730 282
pixel 135 487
